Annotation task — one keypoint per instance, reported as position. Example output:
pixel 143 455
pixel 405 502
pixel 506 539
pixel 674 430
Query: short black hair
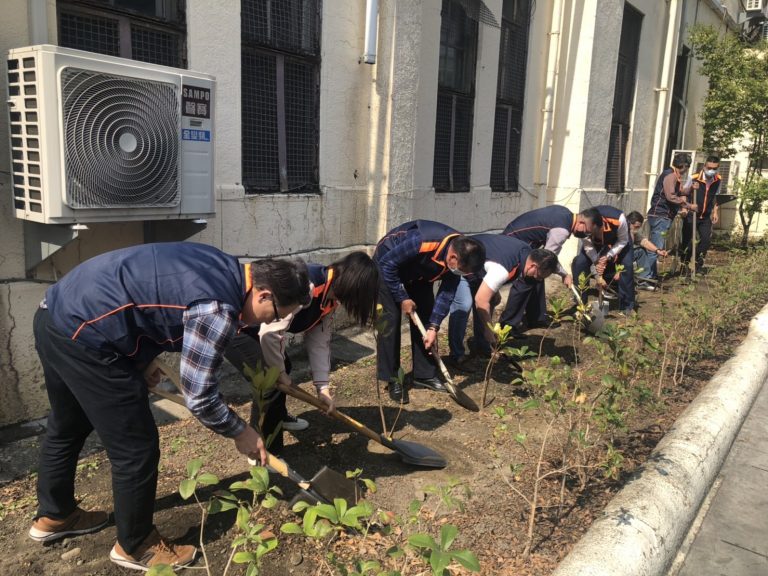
pixel 635 217
pixel 355 284
pixel 470 252
pixel 593 215
pixel 545 259
pixel 681 159
pixel 714 159
pixel 288 280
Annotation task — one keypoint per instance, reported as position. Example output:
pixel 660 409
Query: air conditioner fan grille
pixel 121 140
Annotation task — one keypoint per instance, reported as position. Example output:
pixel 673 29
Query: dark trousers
pixel 527 300
pixel 246 350
pixel 704 230
pixel 582 265
pixel 388 341
pixel 88 390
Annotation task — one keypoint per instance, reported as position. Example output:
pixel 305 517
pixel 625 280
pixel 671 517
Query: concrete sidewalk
pixel 730 535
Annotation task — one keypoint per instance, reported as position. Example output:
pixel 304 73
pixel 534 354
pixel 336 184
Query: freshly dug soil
pixel 492 519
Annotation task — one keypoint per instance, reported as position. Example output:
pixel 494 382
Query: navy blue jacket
pixel 132 301
pixel 534 226
pixel 320 305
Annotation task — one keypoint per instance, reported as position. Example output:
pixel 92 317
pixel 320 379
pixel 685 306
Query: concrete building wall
pixel 376 148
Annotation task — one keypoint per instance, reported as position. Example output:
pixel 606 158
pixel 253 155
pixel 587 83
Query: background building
pixel 318 153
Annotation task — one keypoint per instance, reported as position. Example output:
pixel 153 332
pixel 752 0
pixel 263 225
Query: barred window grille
pixel 455 98
pixel 152 31
pixel 280 95
pixel 623 100
pixel 510 94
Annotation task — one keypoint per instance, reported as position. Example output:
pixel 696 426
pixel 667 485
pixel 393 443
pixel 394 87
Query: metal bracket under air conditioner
pixel 42 240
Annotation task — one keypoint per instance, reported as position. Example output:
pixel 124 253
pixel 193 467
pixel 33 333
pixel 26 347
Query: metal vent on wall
pixel 121 139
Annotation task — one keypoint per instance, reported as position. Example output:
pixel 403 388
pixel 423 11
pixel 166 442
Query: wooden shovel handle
pixel 417 322
pixel 300 394
pixel 280 466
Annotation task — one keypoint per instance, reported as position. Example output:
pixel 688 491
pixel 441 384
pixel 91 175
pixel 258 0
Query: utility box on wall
pixel 100 139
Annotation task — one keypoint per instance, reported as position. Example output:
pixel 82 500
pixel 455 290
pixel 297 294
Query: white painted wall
pixel 377 130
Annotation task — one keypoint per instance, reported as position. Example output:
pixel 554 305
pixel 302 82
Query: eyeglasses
pixel 274 308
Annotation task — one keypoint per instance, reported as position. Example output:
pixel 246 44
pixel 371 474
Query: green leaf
pixel 161 570
pixel 395 552
pixel 467 559
pixel 253 570
pixel 422 541
pixel 243 557
pixel 530 403
pixel 447 535
pixel 439 561
pixel 243 514
pixel 328 512
pixel 291 528
pixel 187 487
pixel 269 501
pixel 193 467
pixel 300 506
pixel 261 477
pixel 370 485
pixel 207 479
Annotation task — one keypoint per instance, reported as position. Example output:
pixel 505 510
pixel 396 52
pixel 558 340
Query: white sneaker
pixel 293 424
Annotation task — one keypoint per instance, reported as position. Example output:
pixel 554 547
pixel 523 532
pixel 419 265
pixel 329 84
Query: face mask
pixel 456 271
pixel 530 280
pixel 580 234
pixel 710 173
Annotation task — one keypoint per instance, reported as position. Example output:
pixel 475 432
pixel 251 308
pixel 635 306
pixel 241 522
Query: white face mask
pixel 456 271
pixel 710 173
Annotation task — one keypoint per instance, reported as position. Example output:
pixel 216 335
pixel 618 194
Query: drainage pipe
pixel 661 129
pixel 548 110
pixel 371 37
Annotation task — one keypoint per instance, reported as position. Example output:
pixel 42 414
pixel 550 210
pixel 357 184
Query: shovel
pixel 461 397
pixel 326 485
pixel 410 452
pixel 598 312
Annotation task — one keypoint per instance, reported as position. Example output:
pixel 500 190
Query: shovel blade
pixel 331 484
pixel 461 397
pixel 416 454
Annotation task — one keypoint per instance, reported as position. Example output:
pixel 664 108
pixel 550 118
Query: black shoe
pixel 397 393
pixel 548 323
pixel 429 383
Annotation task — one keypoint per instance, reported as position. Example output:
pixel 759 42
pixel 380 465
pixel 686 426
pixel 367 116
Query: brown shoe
pixel 153 551
pixel 45 529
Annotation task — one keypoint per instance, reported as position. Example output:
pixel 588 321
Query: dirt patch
pixel 471 493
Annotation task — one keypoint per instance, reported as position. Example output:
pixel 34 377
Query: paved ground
pixel 730 536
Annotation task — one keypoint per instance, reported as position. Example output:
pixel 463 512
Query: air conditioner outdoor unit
pixel 752 5
pixel 97 138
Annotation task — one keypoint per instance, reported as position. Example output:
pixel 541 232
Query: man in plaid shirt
pixel 97 330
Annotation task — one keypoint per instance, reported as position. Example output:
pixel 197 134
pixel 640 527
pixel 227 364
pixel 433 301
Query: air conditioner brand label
pixel 195 102
pixel 199 135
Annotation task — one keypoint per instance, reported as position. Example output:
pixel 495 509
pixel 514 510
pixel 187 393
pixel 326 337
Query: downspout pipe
pixel 371 36
pixel 548 111
pixel 661 128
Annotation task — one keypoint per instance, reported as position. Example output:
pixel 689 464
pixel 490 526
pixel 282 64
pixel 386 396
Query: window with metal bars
pixel 510 93
pixel 152 31
pixel 455 98
pixel 623 100
pixel 280 95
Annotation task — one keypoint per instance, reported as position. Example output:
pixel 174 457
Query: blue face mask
pixel 710 173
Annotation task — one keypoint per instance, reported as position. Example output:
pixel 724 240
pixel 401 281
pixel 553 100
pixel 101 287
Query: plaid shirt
pixel 208 328
pixel 400 255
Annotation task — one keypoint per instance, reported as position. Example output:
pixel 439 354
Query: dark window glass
pixel 280 95
pixel 455 98
pixel 152 31
pixel 623 99
pixel 510 92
